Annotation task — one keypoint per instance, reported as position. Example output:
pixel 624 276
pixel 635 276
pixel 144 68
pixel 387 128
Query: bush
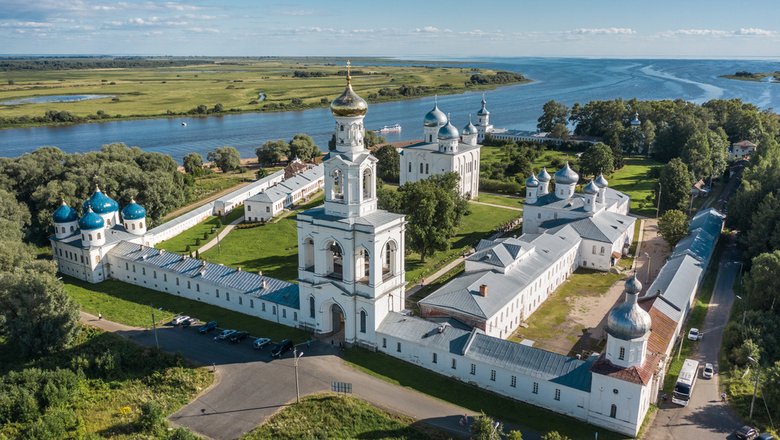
pixel 151 419
pixel 500 186
pixel 182 434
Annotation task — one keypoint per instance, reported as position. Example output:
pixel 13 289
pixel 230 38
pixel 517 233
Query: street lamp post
pixel 658 203
pixel 649 259
pixel 154 329
pixel 297 356
pixel 755 386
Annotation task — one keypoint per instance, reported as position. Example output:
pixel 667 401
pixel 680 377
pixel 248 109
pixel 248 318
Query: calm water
pixel 53 98
pixel 566 79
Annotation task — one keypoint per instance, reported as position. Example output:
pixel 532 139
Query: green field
pixel 501 199
pixel 114 378
pixel 328 416
pixel 129 304
pixel 180 242
pixel 507 410
pixel 237 86
pixel 632 179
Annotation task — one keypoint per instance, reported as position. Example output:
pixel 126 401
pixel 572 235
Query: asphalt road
pixel 705 417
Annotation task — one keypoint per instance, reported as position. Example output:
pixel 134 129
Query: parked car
pixel 225 334
pixel 238 336
pixel 708 371
pixel 207 327
pixel 746 433
pixel 179 319
pixel 282 348
pixel 260 343
pixel 765 436
pixel 188 322
pixel 694 335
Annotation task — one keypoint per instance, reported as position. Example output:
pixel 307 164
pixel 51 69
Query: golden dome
pixel 349 103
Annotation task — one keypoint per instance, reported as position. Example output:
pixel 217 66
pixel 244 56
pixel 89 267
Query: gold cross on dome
pixel 349 70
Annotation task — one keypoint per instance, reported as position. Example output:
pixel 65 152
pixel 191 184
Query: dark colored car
pixel 207 327
pixel 188 322
pixel 238 336
pixel 765 436
pixel 746 433
pixel 282 348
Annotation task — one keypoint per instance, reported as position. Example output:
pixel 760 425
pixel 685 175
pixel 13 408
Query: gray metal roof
pixel 247 188
pixel 708 219
pixel 676 281
pixel 434 148
pixel 577 202
pixel 462 293
pixel 113 235
pixel 283 189
pixel 376 218
pixel 425 333
pixel 605 226
pixel 546 365
pixel 277 291
pixel 699 244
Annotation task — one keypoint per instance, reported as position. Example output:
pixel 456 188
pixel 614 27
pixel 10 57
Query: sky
pixel 401 28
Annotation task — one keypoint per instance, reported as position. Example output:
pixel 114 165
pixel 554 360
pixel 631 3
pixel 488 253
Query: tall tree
pixel 303 147
pixel 193 163
pixel 485 428
pixel 553 113
pixel 388 167
pixel 762 284
pixel 675 186
pixel 272 152
pixel 226 158
pixel 372 138
pixel 673 226
pixel 597 159
pixel 764 232
pixel 648 136
pixel 697 155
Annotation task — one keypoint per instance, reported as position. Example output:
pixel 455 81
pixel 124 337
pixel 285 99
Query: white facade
pixel 741 150
pixel 225 204
pixel 269 203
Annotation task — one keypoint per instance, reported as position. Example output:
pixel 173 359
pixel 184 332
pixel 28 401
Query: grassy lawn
pixel 479 224
pixel 501 199
pixel 180 242
pixel 546 159
pixel 272 248
pixel 327 416
pixel 507 410
pixel 236 85
pixel 695 319
pixel 632 179
pixel 549 322
pixel 114 378
pixel 130 305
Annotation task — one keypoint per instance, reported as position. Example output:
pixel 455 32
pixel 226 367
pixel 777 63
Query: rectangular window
pixel 134 268
pixel 295 316
pixel 473 369
pixel 622 354
pixel 454 364
pixel 189 284
pixel 154 274
pixel 127 266
pixel 398 347
pixel 435 360
pixel 384 342
pixel 143 271
pixel 536 388
pixel 177 278
pixel 217 293
pixel 273 310
pixel 227 296
pixel 262 306
pixel 165 277
pixel 557 394
pixel 197 287
pixel 240 300
pixel 410 167
pixel 493 375
pixel 284 313
pixel 251 303
pixel 513 382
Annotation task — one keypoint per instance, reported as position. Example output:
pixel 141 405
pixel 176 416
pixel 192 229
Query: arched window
pixel 335 256
pixel 426 168
pixel 368 184
pixel 421 168
pixel 362 321
pixel 308 254
pixel 311 307
pixel 362 266
pixel 613 411
pixel 337 189
pixel 389 261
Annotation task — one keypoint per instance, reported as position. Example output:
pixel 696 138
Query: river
pixel 567 80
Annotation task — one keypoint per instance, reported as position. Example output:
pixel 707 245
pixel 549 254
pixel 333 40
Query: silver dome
pixel 469 129
pixel 566 175
pixel 629 321
pixel 601 181
pixel 591 188
pixel 531 182
pixel 544 176
pixel 435 117
pixel 447 132
pixel 483 111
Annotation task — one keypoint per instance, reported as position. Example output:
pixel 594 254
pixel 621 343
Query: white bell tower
pixel 350 255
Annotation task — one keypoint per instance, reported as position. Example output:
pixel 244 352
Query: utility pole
pixel 679 350
pixel 658 203
pixel 297 356
pixel 755 387
pixel 154 329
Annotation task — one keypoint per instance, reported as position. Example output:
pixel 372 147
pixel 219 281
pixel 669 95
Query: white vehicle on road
pixel 708 371
pixel 260 343
pixel 683 389
pixel 694 335
pixel 179 319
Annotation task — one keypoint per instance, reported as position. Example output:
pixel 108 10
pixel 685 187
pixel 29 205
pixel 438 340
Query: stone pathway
pixel 221 236
pixel 496 206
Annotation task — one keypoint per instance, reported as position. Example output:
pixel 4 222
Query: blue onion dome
pixel 628 320
pixel 65 214
pixel 601 181
pixel 90 221
pixel 435 117
pixel 100 203
pixel 566 175
pixel 469 129
pixel 483 111
pixel 531 182
pixel 349 103
pixel 544 176
pixel 591 188
pixel 133 211
pixel 448 132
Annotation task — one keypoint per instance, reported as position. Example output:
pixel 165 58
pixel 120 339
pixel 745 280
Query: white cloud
pixel 297 12
pixel 428 29
pixel 756 31
pixel 719 33
pixel 603 31
pixel 202 30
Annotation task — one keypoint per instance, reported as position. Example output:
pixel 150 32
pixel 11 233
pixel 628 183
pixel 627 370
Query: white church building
pixel 444 150
pixel 351 278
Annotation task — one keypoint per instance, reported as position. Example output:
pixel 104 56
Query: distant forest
pixel 69 63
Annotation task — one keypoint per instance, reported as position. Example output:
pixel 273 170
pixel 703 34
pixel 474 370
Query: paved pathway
pixel 656 247
pixel 221 236
pixel 496 206
pixel 435 276
pixel 249 387
pixel 705 417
